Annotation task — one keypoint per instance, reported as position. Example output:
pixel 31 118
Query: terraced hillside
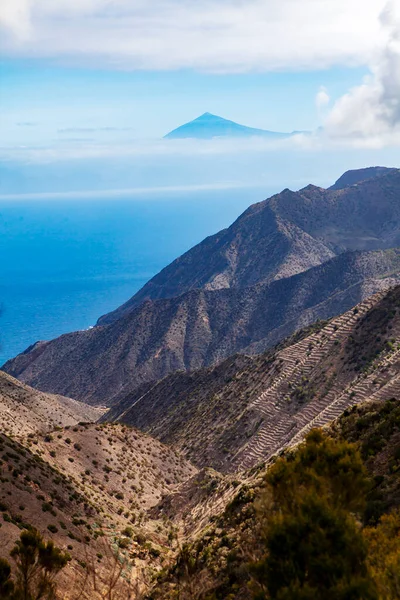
pixel 247 409
pixel 106 492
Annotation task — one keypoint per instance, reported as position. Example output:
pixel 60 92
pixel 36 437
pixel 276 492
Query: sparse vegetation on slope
pixel 88 489
pixel 285 235
pixel 200 328
pixel 129 509
pixel 229 502
pixel 24 410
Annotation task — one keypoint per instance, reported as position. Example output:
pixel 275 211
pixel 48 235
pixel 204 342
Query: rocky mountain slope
pixel 355 176
pixel 199 328
pixel 285 235
pixel 248 409
pixel 104 490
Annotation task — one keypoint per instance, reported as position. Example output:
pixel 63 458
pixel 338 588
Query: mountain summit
pixel 209 126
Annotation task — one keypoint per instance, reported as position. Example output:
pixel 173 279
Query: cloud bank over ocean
pixel 358 127
pixel 71 169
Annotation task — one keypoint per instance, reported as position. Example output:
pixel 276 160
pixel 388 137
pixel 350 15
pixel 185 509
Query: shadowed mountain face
pixel 283 264
pixel 209 126
pixel 97 487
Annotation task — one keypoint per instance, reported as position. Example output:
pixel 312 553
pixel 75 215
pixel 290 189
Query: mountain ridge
pixel 282 264
pixel 247 252
pixel 355 176
pixel 111 494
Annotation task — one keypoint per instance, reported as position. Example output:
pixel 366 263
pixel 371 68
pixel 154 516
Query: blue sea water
pixel 66 262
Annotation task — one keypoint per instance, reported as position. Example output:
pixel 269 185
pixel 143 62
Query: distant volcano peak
pixel 207 116
pixel 208 126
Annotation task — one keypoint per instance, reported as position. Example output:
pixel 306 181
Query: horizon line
pixel 78 194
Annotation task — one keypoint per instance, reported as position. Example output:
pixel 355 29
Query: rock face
pixel 284 263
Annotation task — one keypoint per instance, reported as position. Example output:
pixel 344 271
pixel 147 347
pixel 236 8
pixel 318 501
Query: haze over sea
pixel 66 262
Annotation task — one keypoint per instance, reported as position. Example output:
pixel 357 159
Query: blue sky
pixel 89 83
pixel 42 103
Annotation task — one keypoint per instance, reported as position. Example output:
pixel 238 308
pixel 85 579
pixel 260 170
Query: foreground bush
pixel 384 555
pixel 314 547
pixel 37 564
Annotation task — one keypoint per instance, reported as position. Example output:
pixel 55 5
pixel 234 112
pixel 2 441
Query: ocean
pixel 66 262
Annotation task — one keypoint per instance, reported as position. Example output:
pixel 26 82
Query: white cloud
pixel 322 103
pixel 370 112
pixel 322 98
pixel 15 19
pixel 65 151
pixel 216 35
pixel 81 151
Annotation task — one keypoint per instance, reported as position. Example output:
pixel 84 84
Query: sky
pixel 88 88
